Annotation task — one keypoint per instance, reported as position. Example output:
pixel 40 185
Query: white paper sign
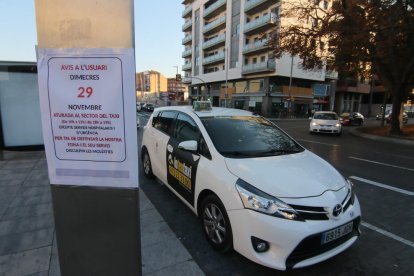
pixel 88 115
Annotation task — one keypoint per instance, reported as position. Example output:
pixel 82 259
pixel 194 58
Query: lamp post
pixel 226 64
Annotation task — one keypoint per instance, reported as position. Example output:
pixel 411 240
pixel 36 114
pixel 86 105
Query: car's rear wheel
pixel 216 224
pixel 146 164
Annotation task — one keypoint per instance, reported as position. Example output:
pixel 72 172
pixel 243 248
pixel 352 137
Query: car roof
pixel 214 112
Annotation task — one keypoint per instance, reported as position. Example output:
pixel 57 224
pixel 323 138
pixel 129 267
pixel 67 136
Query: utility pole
pixel 226 64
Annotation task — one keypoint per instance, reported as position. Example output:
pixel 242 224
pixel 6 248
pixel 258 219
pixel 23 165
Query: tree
pixel 358 37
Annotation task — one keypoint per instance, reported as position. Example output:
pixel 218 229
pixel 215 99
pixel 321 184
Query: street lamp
pixel 226 64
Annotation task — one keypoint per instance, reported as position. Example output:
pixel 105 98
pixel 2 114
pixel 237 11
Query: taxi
pixel 254 188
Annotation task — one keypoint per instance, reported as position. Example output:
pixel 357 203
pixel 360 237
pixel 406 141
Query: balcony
pixel 187 25
pixel 256 47
pixel 187 53
pixel 186 67
pixel 331 75
pixel 254 6
pixel 297 91
pixel 215 25
pixel 186 80
pixel 187 39
pixel 262 67
pixel 214 42
pixel 353 86
pixel 215 9
pixel 185 2
pixel 261 24
pixel 217 58
pixel 187 12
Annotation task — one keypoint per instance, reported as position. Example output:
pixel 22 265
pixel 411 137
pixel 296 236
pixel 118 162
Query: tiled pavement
pixel 27 234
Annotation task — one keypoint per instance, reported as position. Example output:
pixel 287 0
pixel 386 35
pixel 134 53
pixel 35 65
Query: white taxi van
pixel 255 189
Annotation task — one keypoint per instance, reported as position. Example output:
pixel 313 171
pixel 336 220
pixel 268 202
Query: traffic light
pixel 178 77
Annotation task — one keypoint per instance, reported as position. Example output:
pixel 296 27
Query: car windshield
pixel 248 136
pixel 326 116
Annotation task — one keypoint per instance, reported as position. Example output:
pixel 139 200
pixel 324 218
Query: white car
pixel 325 122
pixel 255 189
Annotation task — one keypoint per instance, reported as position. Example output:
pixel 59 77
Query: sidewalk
pixel 27 234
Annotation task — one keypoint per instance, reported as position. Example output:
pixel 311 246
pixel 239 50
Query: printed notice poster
pixel 88 115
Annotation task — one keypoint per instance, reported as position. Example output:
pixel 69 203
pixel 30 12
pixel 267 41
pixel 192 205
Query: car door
pixel 164 125
pixel 182 164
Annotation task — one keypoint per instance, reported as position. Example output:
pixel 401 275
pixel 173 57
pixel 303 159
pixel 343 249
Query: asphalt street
pixel 383 174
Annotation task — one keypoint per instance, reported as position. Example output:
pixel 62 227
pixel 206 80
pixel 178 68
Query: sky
pixel 158 34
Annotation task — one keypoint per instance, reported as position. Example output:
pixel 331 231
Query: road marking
pixel 380 163
pixel 334 145
pixel 388 234
pixel 382 185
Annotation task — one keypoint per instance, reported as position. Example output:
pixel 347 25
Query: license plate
pixel 336 233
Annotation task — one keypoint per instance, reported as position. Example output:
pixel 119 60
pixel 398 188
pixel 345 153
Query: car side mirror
pixel 310 118
pixel 190 145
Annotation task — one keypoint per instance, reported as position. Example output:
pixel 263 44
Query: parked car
pixel 148 107
pixel 139 106
pixel 138 121
pixel 255 189
pixel 353 118
pixel 389 115
pixel 325 122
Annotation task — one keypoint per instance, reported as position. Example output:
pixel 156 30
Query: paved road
pixel 383 174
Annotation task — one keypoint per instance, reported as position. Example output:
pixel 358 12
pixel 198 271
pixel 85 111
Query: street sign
pixel 85 107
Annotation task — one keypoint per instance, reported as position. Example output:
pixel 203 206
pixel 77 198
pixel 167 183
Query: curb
pixel 357 132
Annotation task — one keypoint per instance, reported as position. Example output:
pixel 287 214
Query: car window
pixel 326 116
pixel 186 129
pixel 164 121
pixel 156 120
pixel 248 136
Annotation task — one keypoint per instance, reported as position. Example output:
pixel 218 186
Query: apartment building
pixel 149 84
pixel 176 90
pixel 227 60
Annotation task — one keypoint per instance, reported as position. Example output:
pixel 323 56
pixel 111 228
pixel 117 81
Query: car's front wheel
pixel 216 224
pixel 146 164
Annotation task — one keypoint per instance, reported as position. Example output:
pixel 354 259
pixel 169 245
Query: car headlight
pixel 259 201
pixel 351 193
pixel 314 124
pixel 338 125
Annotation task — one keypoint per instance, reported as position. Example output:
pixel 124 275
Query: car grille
pixel 320 213
pixel 311 246
pixel 311 213
pixel 327 130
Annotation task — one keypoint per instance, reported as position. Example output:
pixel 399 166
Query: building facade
pixel 227 60
pixel 149 84
pixel 177 91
